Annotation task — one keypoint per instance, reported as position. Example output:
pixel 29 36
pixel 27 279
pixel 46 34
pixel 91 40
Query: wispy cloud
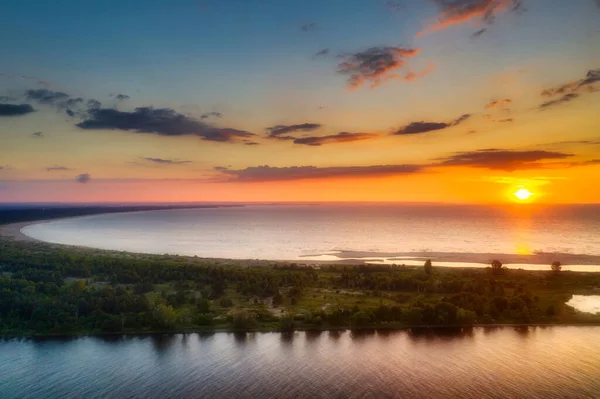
pixel 564 99
pixel 582 85
pixel 376 65
pixel 160 121
pixel 500 159
pixel 37 135
pixel 456 12
pixel 281 131
pixel 424 127
pixel 342 137
pixel 166 161
pixel 268 173
pixel 322 53
pixel 498 103
pixel 57 168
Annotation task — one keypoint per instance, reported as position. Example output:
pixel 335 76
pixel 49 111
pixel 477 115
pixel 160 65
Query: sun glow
pixel 523 194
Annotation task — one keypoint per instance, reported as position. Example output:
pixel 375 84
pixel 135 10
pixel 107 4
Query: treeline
pixel 49 290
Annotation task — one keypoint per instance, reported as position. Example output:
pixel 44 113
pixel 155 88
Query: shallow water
pixel 585 303
pixel 289 232
pixel 553 362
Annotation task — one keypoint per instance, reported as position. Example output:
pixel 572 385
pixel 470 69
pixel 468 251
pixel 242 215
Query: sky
pixel 455 101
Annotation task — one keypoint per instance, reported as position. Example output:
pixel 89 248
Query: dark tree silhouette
pixel 428 267
pixel 556 266
pixel 496 266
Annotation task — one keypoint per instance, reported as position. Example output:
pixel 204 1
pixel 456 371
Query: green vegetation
pixel 48 289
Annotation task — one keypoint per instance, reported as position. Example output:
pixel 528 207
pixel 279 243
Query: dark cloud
pixel 251 143
pixel 37 135
pixel 160 121
pixel 6 98
pixel 507 120
pixel 456 12
pixel 268 173
pixel 5 167
pixel 122 97
pixel 499 159
pixel 321 53
pixel 564 99
pixel 343 137
pixel 376 65
pixel 166 161
pixel 278 131
pixel 478 33
pixel 70 113
pixel 15 109
pixel 46 96
pixel 83 178
pixel 577 86
pixel 498 103
pixel 308 27
pixel 60 168
pixel 424 127
pixel 211 114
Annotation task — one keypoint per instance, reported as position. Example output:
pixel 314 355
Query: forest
pixel 48 289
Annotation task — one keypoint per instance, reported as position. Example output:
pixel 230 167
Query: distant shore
pixel 577 262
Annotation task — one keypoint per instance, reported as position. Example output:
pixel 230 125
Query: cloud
pixel 15 109
pixel 268 173
pixel 564 99
pixel 209 114
pixel 6 98
pixel 456 12
pixel 166 161
pixel 70 113
pixel 507 120
pixel 424 127
pixel 122 97
pixel 160 121
pixel 46 96
pixel 5 167
pixel 278 131
pixel 498 103
pixel 37 135
pixel 321 53
pixel 59 168
pixel 83 178
pixel 375 65
pixel 582 85
pixel 308 27
pixel 93 104
pixel 499 159
pixel 251 143
pixel 342 137
pixel 478 33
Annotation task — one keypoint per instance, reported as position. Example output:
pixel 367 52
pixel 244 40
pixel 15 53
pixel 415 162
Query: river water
pixel 551 362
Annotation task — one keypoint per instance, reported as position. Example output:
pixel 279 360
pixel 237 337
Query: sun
pixel 523 194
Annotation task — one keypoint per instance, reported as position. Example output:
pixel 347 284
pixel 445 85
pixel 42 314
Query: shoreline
pixel 267 330
pixel 580 262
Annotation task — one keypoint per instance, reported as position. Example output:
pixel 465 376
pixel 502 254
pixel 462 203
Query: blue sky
pixel 254 63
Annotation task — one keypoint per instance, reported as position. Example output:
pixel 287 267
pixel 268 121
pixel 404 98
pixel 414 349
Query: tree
pixel 428 267
pixel 496 266
pixel 556 266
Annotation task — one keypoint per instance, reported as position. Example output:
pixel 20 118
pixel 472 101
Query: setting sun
pixel 523 194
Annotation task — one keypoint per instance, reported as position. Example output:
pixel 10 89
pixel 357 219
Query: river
pixel 551 362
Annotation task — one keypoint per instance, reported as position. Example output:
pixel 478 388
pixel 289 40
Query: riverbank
pixel 56 290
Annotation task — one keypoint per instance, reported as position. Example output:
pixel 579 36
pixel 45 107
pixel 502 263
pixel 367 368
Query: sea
pixel 527 236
